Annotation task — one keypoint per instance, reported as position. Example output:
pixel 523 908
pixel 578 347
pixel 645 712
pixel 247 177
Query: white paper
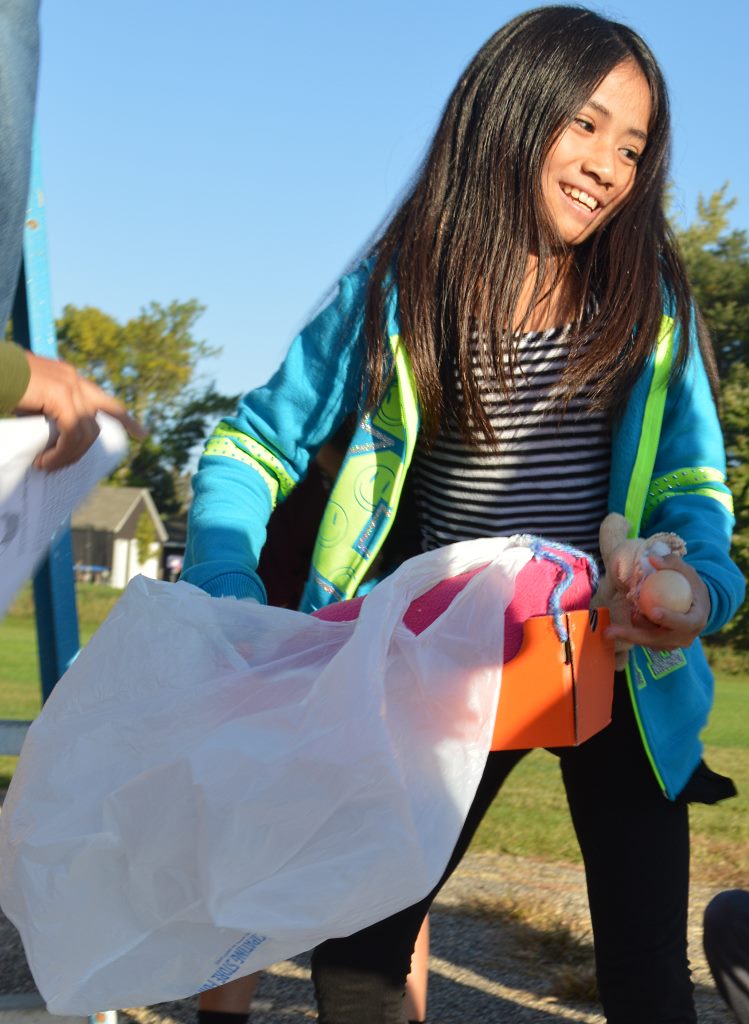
pixel 34 503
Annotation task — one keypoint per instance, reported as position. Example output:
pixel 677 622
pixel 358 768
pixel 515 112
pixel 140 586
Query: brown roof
pixel 108 508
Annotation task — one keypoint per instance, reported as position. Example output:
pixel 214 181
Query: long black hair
pixel 459 244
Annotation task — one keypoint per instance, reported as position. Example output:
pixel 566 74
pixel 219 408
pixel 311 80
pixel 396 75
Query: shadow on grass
pixel 532 950
pixel 523 946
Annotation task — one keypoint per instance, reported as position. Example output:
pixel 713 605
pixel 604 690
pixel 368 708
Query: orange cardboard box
pixel 556 694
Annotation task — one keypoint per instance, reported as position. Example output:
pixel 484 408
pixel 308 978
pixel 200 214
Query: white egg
pixel 666 589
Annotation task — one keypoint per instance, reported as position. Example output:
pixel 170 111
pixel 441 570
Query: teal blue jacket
pixel 257 456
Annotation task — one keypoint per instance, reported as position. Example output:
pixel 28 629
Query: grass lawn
pixel 530 818
pixel 20 693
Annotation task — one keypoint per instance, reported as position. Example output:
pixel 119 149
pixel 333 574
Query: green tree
pixel 718 263
pixel 735 418
pixel 151 363
pixel 148 362
pixel 717 260
pixel 147 467
pixel 145 536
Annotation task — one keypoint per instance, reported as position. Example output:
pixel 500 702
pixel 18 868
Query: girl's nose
pixel 600 163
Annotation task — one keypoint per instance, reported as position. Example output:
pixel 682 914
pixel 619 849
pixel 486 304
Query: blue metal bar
pixel 34 327
pixel 56 614
pixel 42 338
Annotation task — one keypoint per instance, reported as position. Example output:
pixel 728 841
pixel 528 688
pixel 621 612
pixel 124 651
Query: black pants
pixel 726 941
pixel 635 844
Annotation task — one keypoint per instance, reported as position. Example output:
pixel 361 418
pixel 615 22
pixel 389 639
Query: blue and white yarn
pixel 546 550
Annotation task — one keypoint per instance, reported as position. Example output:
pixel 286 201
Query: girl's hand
pixel 59 392
pixel 666 630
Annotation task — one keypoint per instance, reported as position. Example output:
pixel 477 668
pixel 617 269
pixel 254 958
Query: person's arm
pixel 256 457
pixel 689 497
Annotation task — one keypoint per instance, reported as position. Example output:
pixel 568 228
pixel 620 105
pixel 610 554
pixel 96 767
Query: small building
pixel 117 534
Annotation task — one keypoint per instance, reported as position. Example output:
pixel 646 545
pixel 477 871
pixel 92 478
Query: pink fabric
pixel 533 586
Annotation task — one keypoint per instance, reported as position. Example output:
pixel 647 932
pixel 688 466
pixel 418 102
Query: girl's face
pixel 590 169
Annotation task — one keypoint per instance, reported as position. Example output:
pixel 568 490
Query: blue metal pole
pixel 34 327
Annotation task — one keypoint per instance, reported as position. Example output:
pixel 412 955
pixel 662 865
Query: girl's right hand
pixel 668 630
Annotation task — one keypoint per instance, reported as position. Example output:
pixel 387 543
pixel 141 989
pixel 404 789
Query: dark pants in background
pixel 635 845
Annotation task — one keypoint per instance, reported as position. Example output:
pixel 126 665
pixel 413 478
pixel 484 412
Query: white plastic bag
pixel 215 786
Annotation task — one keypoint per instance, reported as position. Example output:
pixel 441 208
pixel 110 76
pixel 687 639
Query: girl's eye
pixel 584 123
pixel 632 155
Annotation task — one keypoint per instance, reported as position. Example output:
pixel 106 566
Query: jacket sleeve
pixel 14 376
pixel 688 493
pixel 254 458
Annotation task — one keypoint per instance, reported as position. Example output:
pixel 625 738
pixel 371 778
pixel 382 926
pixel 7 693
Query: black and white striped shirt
pixel 547 476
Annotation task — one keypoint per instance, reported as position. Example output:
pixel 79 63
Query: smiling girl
pixel 504 343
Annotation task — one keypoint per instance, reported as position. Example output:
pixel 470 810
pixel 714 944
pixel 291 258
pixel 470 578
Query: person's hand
pixel 59 392
pixel 666 630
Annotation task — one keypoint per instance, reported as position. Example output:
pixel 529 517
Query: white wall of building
pixel 125 563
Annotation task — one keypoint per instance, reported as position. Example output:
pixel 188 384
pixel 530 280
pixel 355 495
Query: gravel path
pixel 487 963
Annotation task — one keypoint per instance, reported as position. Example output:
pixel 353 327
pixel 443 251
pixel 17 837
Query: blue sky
pixel 241 151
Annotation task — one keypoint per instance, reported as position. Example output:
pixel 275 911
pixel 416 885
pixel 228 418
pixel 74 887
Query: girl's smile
pixel 591 168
